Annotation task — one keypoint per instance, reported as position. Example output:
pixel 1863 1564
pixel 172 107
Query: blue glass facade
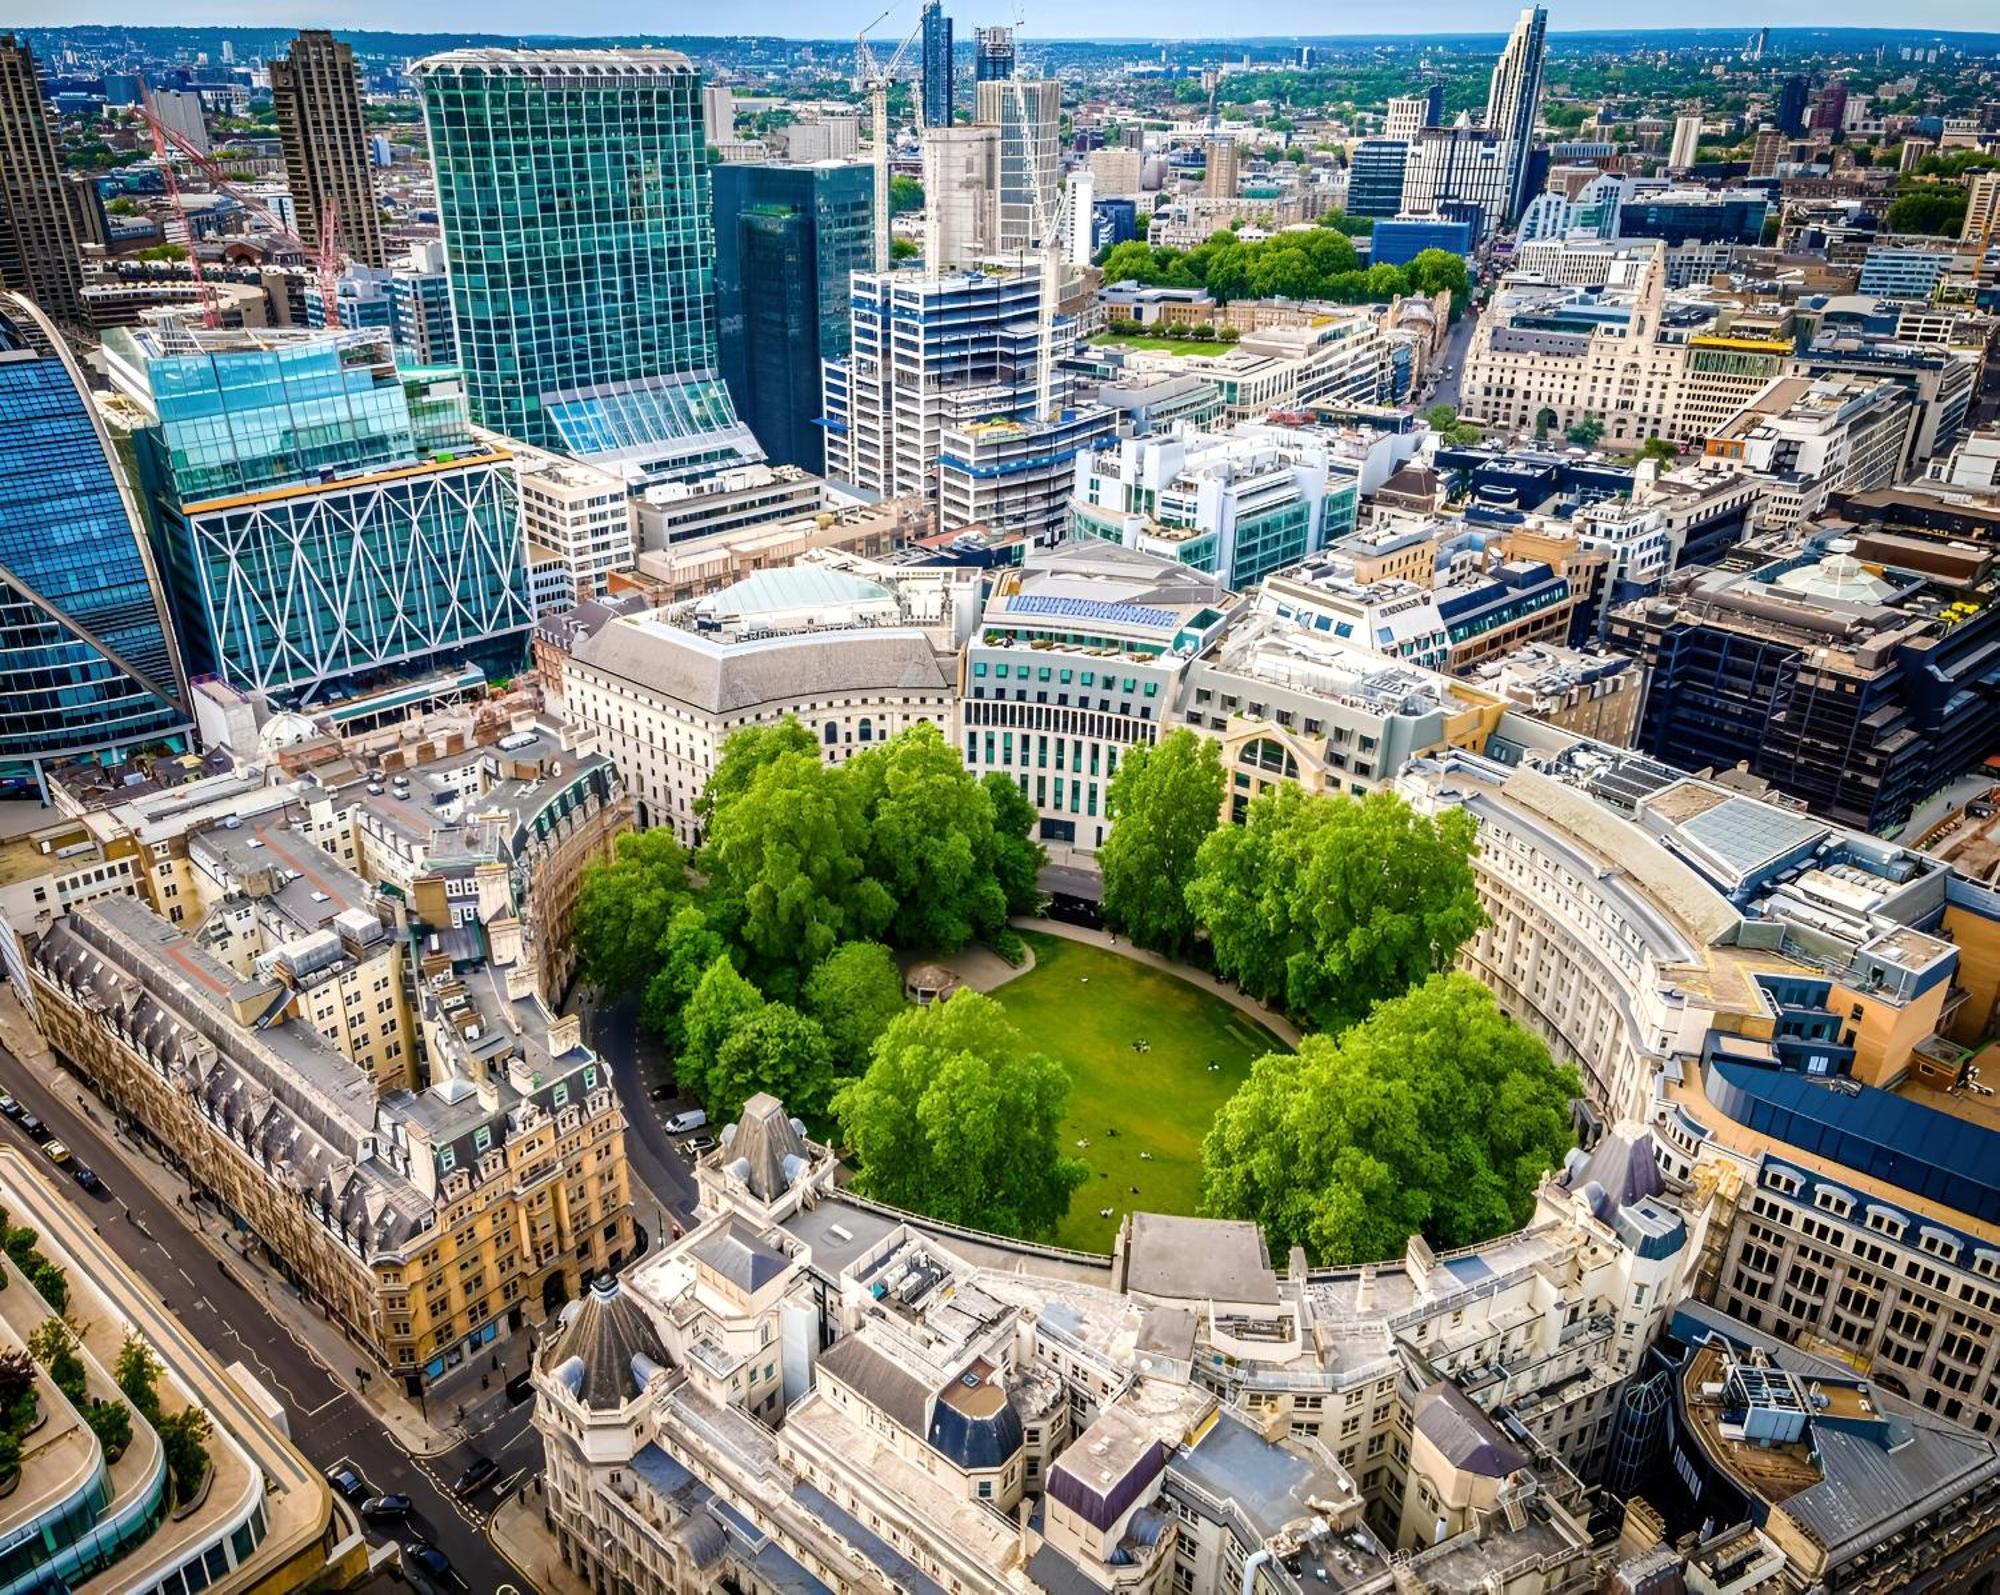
pixel 788 240
pixel 1375 177
pixel 1398 242
pixel 1706 220
pixel 324 518
pixel 87 662
pixel 936 80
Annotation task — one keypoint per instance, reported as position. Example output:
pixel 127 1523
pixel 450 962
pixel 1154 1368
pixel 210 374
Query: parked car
pixel 35 1127
pixel 385 1506
pixel 692 1119
pixel 696 1145
pixel 349 1483
pixel 477 1472
pixel 425 1566
pixel 58 1153
pixel 10 1107
pixel 86 1176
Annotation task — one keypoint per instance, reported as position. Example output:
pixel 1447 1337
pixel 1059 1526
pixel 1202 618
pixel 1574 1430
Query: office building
pixel 1409 114
pixel 89 668
pixel 1766 151
pixel 585 323
pixel 1904 271
pixel 1375 177
pixel 961 196
pixel 718 113
pixel 316 89
pixel 1847 686
pixel 1687 140
pixel 1237 505
pixel 788 239
pixel 1116 172
pixel 1680 216
pixel 1014 475
pixel 936 69
pixel 1941 382
pixel 1792 100
pixel 180 112
pixel 1803 439
pixel 1514 102
pixel 420 299
pixel 325 518
pixel 992 54
pixel 81 1517
pixel 1459 172
pixel 577 525
pixel 39 251
pixel 1028 115
pixel 854 658
pixel 1398 240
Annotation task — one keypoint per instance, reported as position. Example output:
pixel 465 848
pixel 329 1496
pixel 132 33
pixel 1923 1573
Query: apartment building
pixel 855 658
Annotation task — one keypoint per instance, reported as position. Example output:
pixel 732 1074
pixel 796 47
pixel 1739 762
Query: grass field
pixel 1164 345
pixel 1086 1006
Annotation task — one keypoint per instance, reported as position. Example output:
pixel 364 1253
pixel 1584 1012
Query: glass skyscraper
pixel 788 240
pixel 936 80
pixel 326 521
pixel 573 189
pixel 87 664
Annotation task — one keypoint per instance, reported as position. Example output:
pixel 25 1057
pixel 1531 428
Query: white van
pixel 682 1123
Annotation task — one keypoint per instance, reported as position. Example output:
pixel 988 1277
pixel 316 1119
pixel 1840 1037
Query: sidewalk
pixel 322 1338
pixel 1242 1002
pixel 519 1534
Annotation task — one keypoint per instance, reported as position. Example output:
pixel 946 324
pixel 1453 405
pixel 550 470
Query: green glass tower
pixel 788 240
pixel 573 189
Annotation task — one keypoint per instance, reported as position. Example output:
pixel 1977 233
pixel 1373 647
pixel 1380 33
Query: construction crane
pixel 875 79
pixel 1049 226
pixel 327 257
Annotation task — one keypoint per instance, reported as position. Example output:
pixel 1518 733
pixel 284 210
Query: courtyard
pixel 1151 1059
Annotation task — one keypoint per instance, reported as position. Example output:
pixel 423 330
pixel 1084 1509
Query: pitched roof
pixel 740 1257
pixel 899 1395
pixel 722 678
pixel 763 1139
pixel 603 1332
pixel 1465 1436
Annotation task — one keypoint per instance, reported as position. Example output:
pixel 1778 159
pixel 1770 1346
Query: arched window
pixel 865 731
pixel 831 734
pixel 1265 754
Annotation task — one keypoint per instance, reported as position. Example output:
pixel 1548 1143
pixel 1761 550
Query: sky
pixel 1107 19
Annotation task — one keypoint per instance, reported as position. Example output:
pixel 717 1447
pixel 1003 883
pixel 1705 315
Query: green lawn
pixel 1086 1006
pixel 1166 345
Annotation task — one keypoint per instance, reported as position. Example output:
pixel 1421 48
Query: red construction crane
pixel 328 257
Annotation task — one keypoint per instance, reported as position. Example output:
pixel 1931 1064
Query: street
pixel 1456 340
pixel 662 1179
pixel 328 1423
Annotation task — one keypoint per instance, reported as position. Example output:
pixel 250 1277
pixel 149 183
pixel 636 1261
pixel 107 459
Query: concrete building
pixel 855 659
pixel 1803 438
pixel 316 90
pixel 961 195
pixel 718 113
pixel 1687 139
pixel 1594 694
pixel 39 251
pixel 577 519
pixel 181 112
pixel 1116 171
pixel 420 298
pixel 697 567
pixel 1015 476
pixel 992 54
pixel 1219 177
pixel 1409 114
pixel 1461 172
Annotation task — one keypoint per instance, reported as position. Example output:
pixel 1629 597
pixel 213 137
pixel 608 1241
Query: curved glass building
pixel 88 666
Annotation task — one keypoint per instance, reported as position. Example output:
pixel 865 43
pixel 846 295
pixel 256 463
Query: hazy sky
pixel 1140 19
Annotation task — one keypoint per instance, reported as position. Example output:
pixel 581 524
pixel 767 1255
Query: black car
pixel 425 1566
pixel 10 1107
pixel 477 1472
pixel 86 1176
pixel 381 1506
pixel 35 1127
pixel 349 1483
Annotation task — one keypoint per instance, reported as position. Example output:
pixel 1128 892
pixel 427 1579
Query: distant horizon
pixel 1955 19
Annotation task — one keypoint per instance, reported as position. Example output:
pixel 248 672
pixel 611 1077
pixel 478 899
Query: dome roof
pixel 606 1349
pixel 1839 576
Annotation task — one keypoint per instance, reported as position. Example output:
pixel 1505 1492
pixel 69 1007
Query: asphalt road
pixel 663 1183
pixel 329 1424
pixel 1456 341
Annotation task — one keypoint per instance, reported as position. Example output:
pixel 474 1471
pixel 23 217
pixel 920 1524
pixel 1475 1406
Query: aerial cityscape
pixel 956 809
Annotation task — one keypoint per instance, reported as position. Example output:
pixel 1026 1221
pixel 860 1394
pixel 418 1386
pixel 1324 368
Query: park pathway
pixel 1279 1026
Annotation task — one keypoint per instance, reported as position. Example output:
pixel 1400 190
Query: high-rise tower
pixel 936 101
pixel 993 54
pixel 87 662
pixel 316 92
pixel 38 245
pixel 573 189
pixel 1514 98
pixel 1028 115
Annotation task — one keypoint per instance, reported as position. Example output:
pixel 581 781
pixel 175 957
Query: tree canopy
pixel 958 1118
pixel 1328 905
pixel 854 995
pixel 1165 801
pixel 722 1001
pixel 1436 1115
pixel 1312 263
pixel 624 906
pixel 777 1049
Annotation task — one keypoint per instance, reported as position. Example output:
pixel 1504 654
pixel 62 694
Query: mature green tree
pixel 1439 271
pixel 138 1373
pixel 623 907
pixel 1928 208
pixel 183 1437
pixel 1164 801
pixel 787 866
pixel 776 1049
pixel 746 753
pixel 957 1118
pixel 1586 433
pixel 930 840
pixel 1436 1115
pixel 1661 449
pixel 689 946
pixel 1017 857
pixel 111 1422
pixel 722 1001
pixel 1329 905
pixel 854 995
pixel 905 194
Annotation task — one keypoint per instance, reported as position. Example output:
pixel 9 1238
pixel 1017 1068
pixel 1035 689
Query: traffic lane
pixel 328 1423
pixel 613 1032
